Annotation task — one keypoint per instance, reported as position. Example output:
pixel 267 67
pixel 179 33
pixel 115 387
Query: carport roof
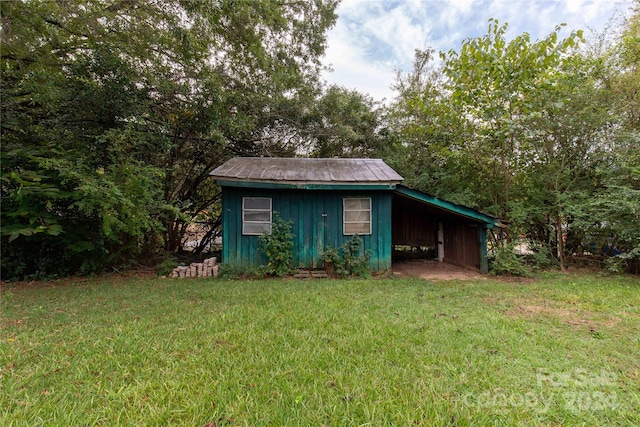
pixel 449 207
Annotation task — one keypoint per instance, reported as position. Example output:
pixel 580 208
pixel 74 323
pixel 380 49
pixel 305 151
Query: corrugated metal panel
pixel 276 169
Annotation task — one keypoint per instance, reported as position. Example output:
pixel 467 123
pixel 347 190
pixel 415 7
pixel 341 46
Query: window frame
pixel 250 210
pixel 344 216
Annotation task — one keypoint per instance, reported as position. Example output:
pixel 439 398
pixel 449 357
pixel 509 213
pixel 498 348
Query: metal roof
pixel 304 172
pixel 448 207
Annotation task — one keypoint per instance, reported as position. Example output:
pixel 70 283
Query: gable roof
pixel 272 172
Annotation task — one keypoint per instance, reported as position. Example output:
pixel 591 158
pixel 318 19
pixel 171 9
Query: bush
pixel 542 258
pixel 506 261
pixel 278 247
pixel 349 261
pixel 166 266
pixel 624 262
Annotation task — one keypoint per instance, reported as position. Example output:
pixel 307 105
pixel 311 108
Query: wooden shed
pixel 329 200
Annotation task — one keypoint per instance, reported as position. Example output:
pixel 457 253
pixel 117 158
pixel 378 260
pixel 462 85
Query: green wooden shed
pixel 328 201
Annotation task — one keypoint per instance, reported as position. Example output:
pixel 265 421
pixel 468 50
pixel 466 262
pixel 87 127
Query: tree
pixel 114 112
pixel 607 215
pixel 493 84
pixel 567 141
pixel 432 153
pixel 345 123
pixel 542 134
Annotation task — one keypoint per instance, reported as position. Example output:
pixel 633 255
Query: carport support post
pixel 440 242
pixel 482 240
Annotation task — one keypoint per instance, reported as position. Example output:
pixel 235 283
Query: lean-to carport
pixel 458 233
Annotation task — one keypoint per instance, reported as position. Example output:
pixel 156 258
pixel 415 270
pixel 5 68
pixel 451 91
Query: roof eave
pixel 305 185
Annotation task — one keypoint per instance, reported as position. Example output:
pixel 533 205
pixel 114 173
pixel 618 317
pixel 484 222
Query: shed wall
pixel 316 218
pixel 412 225
pixel 461 244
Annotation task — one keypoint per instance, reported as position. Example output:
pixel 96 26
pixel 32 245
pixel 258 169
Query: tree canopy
pixel 114 112
pixel 542 134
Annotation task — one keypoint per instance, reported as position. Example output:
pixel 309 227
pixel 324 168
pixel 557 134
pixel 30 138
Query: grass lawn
pixel 555 350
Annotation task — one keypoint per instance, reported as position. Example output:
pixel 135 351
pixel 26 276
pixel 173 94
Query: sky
pixel 373 39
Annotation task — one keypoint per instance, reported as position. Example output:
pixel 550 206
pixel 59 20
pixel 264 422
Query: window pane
pixel 351 204
pixel 256 228
pixel 357 216
pixel 357 204
pixel 259 216
pixel 351 216
pixel 257 203
pixel 357 228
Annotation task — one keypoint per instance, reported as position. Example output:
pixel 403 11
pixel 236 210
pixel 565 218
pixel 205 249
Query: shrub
pixel 166 266
pixel 624 262
pixel 349 260
pixel 542 257
pixel 278 247
pixel 506 261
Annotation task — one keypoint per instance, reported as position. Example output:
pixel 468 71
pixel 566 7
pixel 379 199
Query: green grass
pixel 557 350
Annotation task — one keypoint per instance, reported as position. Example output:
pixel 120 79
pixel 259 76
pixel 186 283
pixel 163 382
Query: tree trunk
pixel 506 171
pixel 174 236
pixel 560 241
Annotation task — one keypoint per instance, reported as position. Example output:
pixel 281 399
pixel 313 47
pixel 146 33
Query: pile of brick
pixel 207 268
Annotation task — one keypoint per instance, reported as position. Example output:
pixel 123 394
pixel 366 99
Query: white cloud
pixel 374 38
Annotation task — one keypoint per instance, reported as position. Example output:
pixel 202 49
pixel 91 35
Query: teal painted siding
pixel 482 241
pixel 316 217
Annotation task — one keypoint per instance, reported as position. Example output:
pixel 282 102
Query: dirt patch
pixel 433 270
pixel 569 315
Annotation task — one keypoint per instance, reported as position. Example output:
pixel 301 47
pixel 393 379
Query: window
pixel 357 216
pixel 256 215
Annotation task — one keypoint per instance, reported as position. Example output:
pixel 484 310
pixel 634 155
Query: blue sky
pixel 374 38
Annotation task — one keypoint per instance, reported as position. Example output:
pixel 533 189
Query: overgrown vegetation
pixel 278 247
pixel 349 260
pixel 557 350
pixel 543 134
pixel 114 113
pixel 506 261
